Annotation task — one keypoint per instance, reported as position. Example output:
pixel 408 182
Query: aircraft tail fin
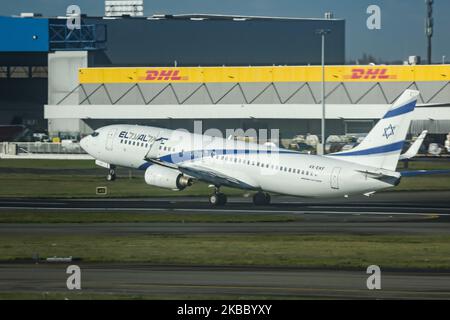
pixel 383 145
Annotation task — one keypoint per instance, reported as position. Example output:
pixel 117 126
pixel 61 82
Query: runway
pixel 422 214
pixel 386 214
pixel 222 282
pixel 436 202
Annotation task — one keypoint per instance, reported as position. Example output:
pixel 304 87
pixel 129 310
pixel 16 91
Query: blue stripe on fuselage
pixel 176 158
pixel 145 166
pixel 371 151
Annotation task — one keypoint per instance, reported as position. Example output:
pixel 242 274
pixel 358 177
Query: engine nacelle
pixel 166 178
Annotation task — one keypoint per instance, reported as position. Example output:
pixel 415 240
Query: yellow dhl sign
pixel 265 74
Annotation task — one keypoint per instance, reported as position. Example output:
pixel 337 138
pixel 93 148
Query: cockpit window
pixel 95 134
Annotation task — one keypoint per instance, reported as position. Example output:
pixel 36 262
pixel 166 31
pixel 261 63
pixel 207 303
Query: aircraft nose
pixel 84 143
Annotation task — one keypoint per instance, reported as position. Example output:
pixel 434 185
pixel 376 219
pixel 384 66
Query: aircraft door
pixel 110 139
pixel 334 181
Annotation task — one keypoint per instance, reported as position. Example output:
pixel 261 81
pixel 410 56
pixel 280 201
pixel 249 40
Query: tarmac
pixel 395 213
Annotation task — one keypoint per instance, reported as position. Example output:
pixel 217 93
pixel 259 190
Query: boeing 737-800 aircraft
pixel 174 159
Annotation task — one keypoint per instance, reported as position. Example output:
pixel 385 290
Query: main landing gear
pixel 111 174
pixel 218 198
pixel 261 199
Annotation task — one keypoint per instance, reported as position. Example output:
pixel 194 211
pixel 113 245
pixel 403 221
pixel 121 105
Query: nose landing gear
pixel 111 175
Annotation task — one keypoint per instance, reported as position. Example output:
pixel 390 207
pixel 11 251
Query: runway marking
pixel 381 207
pixel 212 211
pixel 35 203
pixel 445 294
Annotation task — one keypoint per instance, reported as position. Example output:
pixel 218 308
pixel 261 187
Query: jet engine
pixel 166 178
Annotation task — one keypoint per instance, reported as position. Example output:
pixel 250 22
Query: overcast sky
pixel 401 35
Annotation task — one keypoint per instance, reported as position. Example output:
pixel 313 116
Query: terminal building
pixel 228 71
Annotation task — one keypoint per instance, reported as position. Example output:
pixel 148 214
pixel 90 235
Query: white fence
pixel 42 150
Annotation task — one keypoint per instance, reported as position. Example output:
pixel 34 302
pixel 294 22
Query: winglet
pixel 414 149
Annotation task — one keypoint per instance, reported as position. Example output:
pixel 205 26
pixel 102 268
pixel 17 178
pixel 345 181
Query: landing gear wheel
pixel 218 199
pixel 268 198
pixel 223 199
pixel 261 199
pixel 111 175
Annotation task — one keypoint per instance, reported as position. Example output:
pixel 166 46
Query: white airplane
pixel 174 159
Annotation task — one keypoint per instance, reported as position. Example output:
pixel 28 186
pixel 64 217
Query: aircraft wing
pixel 162 163
pixel 214 177
pixel 202 173
pixel 414 149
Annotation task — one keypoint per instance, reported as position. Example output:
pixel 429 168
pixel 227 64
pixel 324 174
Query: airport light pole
pixel 429 24
pixel 323 33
